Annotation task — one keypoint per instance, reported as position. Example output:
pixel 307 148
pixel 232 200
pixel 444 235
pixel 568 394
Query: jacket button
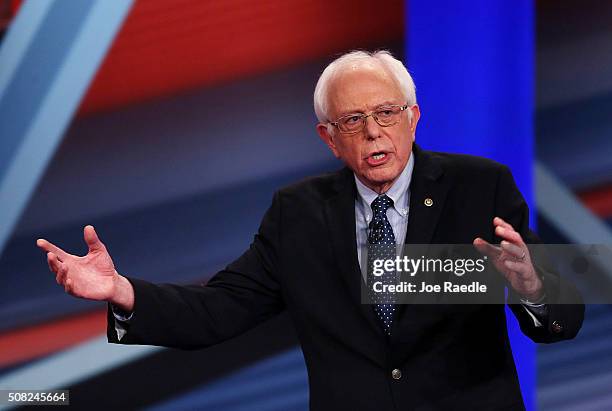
pixel 396 374
pixel 556 327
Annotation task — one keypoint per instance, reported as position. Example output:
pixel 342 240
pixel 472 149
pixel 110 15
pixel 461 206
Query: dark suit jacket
pixel 304 259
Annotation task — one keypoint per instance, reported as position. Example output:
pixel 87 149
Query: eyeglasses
pixel 385 116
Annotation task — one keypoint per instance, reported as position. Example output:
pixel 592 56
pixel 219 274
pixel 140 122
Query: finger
pixel 498 221
pixel 497 256
pixel 509 235
pixel 51 248
pixel 53 262
pixel 61 275
pixel 514 250
pixel 91 238
pixel 486 248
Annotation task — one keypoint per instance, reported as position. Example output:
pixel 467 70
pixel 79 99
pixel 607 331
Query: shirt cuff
pixel 538 303
pixel 122 320
pixel 120 315
pixel 537 312
pixel 120 330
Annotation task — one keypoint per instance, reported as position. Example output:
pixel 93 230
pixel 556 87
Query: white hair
pixel 382 57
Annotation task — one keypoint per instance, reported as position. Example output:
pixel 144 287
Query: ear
pixel 328 138
pixel 414 119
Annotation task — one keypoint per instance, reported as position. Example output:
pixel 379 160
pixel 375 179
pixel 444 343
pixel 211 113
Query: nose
pixel 371 128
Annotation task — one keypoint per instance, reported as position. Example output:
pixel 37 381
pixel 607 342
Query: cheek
pixel 350 153
pixel 403 144
pixel 357 156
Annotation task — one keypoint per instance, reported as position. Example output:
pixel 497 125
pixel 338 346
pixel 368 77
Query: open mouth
pixel 377 158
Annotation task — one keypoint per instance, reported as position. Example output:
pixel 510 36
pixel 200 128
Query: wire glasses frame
pixel 385 116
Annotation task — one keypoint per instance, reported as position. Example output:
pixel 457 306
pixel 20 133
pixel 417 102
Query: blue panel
pixel 48 57
pixel 472 62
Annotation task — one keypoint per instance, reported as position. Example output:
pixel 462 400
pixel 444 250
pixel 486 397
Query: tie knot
pixel 381 204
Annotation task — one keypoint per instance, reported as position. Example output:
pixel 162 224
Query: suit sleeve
pixel 563 320
pixel 236 299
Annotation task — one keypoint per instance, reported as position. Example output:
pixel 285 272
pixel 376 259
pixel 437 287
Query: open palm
pixel 92 276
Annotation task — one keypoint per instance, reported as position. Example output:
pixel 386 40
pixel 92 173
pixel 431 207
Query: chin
pixel 383 176
pixel 379 181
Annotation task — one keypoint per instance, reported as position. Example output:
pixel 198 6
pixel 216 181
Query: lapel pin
pixel 428 202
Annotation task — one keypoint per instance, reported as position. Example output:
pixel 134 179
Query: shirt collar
pixel 398 192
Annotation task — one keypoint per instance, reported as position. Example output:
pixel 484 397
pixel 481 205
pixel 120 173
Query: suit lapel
pixel 340 215
pixel 428 190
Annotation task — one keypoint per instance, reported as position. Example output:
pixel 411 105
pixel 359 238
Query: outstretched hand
pixel 512 259
pixel 92 276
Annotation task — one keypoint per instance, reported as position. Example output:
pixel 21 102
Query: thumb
pixel 91 238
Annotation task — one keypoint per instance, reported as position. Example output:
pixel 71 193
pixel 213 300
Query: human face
pixel 377 155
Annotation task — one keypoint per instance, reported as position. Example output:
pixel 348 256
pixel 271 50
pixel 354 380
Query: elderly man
pixel 305 258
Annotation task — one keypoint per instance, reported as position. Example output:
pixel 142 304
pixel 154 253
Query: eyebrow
pixel 383 104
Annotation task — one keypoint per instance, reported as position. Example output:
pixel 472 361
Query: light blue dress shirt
pixel 397 215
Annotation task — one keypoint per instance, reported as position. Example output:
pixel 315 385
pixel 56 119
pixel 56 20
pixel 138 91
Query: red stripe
pixel 36 341
pixel 167 47
pixel 15 5
pixel 598 200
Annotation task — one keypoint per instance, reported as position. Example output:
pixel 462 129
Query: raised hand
pixel 512 259
pixel 92 276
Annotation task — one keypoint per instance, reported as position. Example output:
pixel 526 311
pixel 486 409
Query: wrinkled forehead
pixel 361 86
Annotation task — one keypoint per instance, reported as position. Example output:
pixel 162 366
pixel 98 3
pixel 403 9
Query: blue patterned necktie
pixel 381 245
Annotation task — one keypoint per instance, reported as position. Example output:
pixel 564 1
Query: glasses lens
pixel 387 116
pixel 351 123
